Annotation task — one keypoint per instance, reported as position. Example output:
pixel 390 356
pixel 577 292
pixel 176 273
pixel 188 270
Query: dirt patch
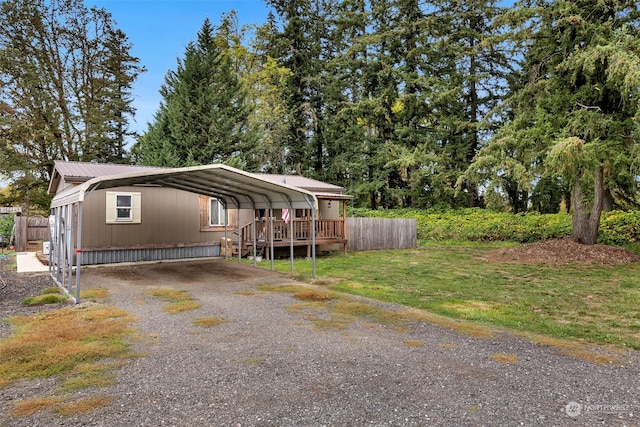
pixel 182 271
pixel 563 252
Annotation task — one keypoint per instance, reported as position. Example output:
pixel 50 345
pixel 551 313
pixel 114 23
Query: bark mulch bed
pixel 563 252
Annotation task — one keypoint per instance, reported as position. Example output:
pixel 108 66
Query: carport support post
pixel 78 252
pixel 226 225
pixel 239 235
pixel 61 267
pixel 292 212
pixel 254 239
pixel 271 235
pixel 51 238
pixel 52 242
pixel 313 242
pixel 70 236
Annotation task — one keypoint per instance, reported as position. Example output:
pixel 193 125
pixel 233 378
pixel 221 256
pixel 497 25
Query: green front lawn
pixel 591 303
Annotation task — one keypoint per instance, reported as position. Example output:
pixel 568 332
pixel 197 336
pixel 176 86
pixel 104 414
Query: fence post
pixel 21 223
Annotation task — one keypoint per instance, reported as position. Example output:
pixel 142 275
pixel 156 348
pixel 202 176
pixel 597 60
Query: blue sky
pixel 160 31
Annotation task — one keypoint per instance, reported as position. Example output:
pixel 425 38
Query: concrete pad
pixel 28 262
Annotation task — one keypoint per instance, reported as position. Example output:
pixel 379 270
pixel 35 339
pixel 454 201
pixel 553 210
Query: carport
pixel 233 187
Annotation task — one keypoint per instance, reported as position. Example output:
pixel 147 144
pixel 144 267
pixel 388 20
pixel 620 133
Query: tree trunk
pixel 586 224
pixel 608 202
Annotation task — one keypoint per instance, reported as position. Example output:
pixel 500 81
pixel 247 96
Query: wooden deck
pixel 328 231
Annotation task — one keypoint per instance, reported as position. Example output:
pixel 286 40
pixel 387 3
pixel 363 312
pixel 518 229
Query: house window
pixel 123 207
pixel 217 213
pixel 303 213
pixel 213 214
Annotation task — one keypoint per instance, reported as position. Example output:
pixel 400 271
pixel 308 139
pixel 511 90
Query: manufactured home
pixel 133 213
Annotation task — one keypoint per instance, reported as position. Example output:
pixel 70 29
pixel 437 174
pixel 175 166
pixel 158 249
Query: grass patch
pixel 506 358
pixel 414 343
pixel 88 376
pixel 447 345
pixel 208 322
pixel 50 295
pixel 256 360
pixel 286 288
pixel 94 294
pixel 598 356
pixel 182 306
pixel 329 310
pixel 179 301
pixel 314 295
pixel 28 407
pixel 471 329
pixel 84 406
pixel 45 299
pixel 453 286
pixel 58 341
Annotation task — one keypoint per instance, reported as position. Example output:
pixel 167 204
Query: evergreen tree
pixel 365 65
pixel 266 83
pixel 61 89
pixel 205 115
pixel 417 81
pixel 471 65
pixel 349 137
pixel 300 47
pixel 575 113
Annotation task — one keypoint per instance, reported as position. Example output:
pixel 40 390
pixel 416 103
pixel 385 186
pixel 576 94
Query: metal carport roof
pixel 235 187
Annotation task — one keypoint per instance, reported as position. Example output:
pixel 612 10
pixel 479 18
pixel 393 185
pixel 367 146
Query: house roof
pixel 78 172
pixel 235 187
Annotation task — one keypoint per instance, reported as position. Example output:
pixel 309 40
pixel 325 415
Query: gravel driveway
pixel 268 365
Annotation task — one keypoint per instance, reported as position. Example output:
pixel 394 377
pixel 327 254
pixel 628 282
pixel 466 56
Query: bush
pixel 619 228
pixel 44 299
pixel 6 225
pixel 616 228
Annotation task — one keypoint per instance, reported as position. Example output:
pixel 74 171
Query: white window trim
pixel 112 208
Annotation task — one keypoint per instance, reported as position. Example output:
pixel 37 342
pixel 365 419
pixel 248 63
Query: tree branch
pixel 587 107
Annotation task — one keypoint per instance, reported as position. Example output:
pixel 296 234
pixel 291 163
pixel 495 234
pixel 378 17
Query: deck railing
pixel 326 230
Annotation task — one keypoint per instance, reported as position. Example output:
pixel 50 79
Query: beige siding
pixel 169 217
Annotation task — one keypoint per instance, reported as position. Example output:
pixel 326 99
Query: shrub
pixel 6 225
pixel 616 228
pixel 619 228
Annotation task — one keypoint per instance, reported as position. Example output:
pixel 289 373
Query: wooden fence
pixel 33 229
pixel 381 233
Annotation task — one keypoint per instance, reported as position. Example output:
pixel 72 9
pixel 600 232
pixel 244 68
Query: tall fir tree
pixel 301 47
pixel 204 117
pixel 417 82
pixel 472 63
pixel 349 160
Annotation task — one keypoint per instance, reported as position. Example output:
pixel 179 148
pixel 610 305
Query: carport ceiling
pixel 235 187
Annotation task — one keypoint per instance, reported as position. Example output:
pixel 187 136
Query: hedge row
pixel 616 227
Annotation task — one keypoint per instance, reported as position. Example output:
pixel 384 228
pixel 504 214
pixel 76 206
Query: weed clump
pixel 179 301
pixel 57 341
